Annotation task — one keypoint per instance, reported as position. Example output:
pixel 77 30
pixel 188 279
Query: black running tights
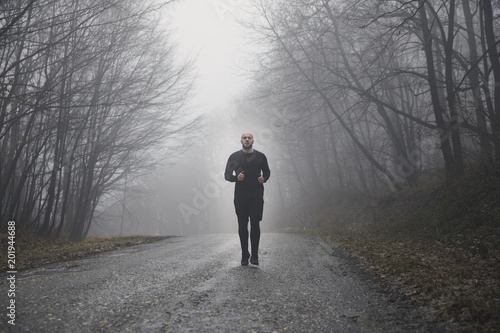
pixel 254 235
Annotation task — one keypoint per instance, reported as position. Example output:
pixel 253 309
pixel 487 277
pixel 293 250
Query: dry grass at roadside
pixel 456 283
pixel 33 250
pixel 438 244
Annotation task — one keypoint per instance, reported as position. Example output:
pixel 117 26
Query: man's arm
pixel 266 172
pixel 231 165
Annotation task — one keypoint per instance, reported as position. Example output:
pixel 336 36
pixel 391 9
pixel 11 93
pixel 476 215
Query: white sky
pixel 208 28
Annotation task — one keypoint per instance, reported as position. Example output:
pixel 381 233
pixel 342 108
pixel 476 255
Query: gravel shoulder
pixel 196 284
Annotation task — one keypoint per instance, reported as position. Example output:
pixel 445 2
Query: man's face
pixel 247 140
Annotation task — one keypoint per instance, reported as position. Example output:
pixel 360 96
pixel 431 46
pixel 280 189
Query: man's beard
pixel 245 147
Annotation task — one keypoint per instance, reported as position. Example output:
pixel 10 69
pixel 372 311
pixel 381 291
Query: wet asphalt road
pixel 196 284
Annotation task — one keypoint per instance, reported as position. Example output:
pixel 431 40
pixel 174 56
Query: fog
pixel 325 104
pixel 190 195
pixel 124 125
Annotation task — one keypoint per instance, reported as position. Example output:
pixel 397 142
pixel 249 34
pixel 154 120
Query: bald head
pixel 247 134
pixel 247 142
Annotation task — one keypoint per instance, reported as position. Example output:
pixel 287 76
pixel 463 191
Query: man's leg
pixel 255 239
pixel 256 209
pixel 241 207
pixel 243 233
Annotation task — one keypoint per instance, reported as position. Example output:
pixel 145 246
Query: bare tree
pixel 400 80
pixel 91 94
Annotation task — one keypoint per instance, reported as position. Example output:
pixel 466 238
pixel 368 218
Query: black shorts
pixel 249 204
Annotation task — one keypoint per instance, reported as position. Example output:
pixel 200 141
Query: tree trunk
pixel 444 135
pixel 475 81
pixel 495 64
pixel 454 122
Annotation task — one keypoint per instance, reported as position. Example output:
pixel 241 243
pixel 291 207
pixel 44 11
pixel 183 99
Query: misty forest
pixel 379 119
pixel 98 135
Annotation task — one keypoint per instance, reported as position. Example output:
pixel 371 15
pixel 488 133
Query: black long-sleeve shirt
pixel 253 164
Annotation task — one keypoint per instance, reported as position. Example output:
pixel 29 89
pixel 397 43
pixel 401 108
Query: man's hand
pixel 260 179
pixel 241 176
